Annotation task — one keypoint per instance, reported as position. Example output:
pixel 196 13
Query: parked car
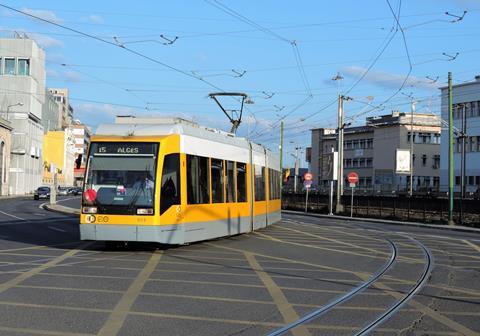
pixel 41 192
pixel 62 191
pixel 75 191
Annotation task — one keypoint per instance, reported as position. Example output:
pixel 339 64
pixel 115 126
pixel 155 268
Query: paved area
pixel 252 284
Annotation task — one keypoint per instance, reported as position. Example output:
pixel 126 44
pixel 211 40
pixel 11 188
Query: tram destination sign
pixel 124 148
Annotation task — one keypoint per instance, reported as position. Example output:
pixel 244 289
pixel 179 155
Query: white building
pixel 22 94
pixel 466 97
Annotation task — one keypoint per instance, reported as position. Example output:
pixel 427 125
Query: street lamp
pixel 8 107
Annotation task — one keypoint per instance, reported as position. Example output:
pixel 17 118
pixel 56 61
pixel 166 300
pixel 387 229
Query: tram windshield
pixel 121 176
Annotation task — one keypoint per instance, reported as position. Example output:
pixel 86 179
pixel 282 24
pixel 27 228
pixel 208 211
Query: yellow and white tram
pixel 174 182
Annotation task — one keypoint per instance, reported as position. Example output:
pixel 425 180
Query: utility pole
pixel 450 151
pixel 339 206
pixel 296 170
pixel 463 158
pixel 411 148
pixel 281 156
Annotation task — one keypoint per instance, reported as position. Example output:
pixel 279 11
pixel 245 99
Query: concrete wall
pixel 5 146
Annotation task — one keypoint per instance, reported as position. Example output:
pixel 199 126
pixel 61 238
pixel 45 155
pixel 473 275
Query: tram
pixel 172 181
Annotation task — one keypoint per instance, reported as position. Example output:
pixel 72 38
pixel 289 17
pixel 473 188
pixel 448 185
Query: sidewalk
pixel 62 209
pixel 390 222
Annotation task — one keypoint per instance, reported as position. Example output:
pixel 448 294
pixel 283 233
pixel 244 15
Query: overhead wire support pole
pixel 339 206
pixel 450 151
pixel 281 155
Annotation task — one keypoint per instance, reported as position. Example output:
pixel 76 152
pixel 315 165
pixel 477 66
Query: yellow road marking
pixel 284 307
pixel 117 317
pixel 21 277
pixel 293 261
pixel 475 247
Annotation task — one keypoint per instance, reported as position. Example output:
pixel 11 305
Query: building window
pixel 471 180
pixel 9 66
pixel 23 67
pixel 424 160
pixel 369 162
pixel 457 180
pixel 369 143
pixel 217 181
pixel 436 162
pixel 477 180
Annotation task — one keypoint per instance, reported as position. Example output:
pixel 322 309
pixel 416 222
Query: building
pixel 5 147
pixel 466 99
pixel 22 94
pixel 370 151
pixel 82 135
pixel 59 157
pixel 50 112
pixel 65 111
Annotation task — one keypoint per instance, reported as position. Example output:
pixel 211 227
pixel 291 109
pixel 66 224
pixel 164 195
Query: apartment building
pixel 22 94
pixel 65 110
pixel 466 100
pixel 370 151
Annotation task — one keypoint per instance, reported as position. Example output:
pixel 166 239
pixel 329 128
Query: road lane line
pixel 13 216
pixel 284 307
pixel 56 229
pixel 115 321
pixel 475 247
pixel 17 280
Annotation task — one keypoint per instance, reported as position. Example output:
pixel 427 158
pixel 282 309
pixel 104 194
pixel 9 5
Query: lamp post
pixel 8 107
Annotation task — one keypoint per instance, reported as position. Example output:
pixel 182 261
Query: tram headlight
pixel 89 210
pixel 148 211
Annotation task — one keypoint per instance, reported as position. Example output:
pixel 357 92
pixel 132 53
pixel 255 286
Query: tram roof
pixel 155 126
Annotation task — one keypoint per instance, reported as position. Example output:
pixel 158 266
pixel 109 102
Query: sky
pixel 292 59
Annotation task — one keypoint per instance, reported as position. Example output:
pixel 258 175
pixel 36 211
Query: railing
pixel 418 209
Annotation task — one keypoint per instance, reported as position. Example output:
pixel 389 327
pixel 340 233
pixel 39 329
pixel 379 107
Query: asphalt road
pixel 252 284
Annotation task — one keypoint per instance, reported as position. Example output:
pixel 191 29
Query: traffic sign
pixel 308 176
pixel 307 184
pixel 352 177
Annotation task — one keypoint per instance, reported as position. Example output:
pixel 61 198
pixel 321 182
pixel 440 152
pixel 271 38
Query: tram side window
pixel 230 182
pixel 217 181
pixel 274 182
pixel 241 182
pixel 259 183
pixel 170 192
pixel 197 180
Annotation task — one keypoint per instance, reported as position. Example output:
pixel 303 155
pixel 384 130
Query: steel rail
pixel 345 297
pixel 413 291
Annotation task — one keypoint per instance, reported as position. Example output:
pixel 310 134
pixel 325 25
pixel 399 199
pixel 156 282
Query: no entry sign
pixel 352 177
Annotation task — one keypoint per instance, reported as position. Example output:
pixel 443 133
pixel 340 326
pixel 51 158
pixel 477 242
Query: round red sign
pixel 308 176
pixel 352 177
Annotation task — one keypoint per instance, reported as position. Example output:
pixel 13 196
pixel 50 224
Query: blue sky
pixel 282 54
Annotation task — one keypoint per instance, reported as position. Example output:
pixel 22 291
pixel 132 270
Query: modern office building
pixel 466 99
pixel 370 151
pixel 22 94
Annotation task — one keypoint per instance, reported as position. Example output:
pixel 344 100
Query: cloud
pixel 52 73
pixel 389 80
pixel 94 18
pixel 45 41
pixel 43 14
pixel 72 76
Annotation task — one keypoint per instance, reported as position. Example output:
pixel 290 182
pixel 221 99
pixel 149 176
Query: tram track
pixel 373 281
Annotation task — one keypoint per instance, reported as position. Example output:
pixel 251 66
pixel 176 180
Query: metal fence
pixel 418 209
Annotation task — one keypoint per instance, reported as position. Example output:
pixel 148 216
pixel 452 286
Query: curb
pixel 389 222
pixel 61 209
